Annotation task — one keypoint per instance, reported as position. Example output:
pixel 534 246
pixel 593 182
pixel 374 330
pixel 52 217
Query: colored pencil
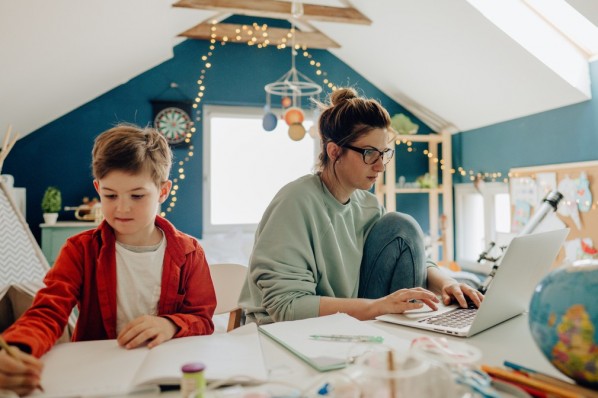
pixel 534 392
pixel 552 380
pixel 538 384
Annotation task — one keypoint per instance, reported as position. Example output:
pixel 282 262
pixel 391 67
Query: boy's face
pixel 129 203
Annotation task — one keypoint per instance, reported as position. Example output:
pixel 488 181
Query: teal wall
pixel 59 153
pixel 568 134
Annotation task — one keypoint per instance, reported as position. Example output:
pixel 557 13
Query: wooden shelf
pixel 387 193
pixel 419 138
pixel 419 190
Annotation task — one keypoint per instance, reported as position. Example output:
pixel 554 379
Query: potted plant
pixel 51 204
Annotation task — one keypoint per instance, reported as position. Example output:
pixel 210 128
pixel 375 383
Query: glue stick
pixel 193 382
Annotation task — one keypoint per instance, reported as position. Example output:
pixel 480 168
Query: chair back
pixel 228 281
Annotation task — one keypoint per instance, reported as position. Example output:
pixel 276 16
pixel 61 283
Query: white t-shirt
pixel 138 281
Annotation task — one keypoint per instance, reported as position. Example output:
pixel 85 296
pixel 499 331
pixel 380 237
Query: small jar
pixel 193 382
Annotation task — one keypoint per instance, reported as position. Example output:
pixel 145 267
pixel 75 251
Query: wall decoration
pixel 403 125
pixel 270 119
pixel 583 232
pixel 546 183
pixel 524 189
pixel 521 215
pixel 583 195
pixel 173 119
pixel 568 186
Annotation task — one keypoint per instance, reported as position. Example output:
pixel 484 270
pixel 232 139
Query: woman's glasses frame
pixel 372 155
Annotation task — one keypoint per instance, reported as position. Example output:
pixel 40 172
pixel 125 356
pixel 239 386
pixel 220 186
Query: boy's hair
pixel 132 149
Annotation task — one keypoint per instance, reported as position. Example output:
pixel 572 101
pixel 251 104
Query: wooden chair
pixel 228 281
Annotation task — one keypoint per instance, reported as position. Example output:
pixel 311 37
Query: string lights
pixel 472 175
pixel 259 36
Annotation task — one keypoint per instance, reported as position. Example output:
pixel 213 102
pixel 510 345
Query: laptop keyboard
pixel 457 318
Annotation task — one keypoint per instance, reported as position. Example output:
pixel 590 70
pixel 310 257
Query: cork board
pixel 588 220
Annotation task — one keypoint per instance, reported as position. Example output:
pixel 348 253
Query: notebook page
pixel 90 368
pixel 327 355
pixel 225 355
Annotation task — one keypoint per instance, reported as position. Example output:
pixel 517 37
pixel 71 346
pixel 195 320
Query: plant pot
pixel 50 218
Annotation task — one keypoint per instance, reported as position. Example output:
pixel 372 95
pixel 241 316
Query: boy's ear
pixel 165 188
pixel 96 185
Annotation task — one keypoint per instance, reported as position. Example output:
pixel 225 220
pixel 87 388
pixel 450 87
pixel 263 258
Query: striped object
pixel 20 255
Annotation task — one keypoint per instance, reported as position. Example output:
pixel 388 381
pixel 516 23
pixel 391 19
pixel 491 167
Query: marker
pixel 347 338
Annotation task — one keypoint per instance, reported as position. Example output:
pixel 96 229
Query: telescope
pixel 549 203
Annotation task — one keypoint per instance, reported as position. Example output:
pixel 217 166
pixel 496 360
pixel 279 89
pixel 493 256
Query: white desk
pixel 510 340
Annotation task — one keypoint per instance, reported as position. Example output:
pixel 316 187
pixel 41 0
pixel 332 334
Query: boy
pixel 135 278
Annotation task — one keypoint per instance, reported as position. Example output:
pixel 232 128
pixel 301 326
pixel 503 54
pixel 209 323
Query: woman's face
pixel 352 172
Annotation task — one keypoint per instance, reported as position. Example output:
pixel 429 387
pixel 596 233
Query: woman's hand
pixel 366 309
pixel 407 299
pixel 451 290
pixel 461 293
pixel 20 372
pixel 149 329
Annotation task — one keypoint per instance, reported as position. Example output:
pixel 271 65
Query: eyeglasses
pixel 371 155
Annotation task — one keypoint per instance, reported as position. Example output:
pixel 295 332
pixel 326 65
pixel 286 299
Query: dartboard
pixel 174 124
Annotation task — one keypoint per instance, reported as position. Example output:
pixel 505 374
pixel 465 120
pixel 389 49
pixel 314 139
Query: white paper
pixel 103 368
pixel 326 355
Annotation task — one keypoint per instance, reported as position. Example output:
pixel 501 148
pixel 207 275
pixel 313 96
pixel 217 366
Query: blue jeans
pixel 393 257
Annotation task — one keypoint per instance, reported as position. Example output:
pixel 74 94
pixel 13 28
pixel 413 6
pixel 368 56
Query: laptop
pixel 524 263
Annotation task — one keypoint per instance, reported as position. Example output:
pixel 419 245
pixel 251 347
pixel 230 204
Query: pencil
pixel 523 379
pixel 391 368
pixel 534 392
pixel 6 348
pixel 534 374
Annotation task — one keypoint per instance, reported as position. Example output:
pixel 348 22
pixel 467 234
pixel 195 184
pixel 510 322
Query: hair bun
pixel 341 95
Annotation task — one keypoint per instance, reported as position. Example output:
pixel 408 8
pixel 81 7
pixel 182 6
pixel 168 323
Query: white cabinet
pixel 386 192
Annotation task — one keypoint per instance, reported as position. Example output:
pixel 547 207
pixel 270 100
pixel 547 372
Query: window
pixel 245 166
pixel 481 217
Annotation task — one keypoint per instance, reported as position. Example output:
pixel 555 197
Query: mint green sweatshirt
pixel 307 245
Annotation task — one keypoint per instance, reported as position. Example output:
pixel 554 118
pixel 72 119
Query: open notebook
pixel 99 368
pixel 325 355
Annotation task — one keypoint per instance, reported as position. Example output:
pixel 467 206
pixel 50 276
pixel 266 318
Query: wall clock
pixel 173 120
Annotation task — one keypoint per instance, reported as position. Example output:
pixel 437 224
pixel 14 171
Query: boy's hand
pixel 20 374
pixel 147 329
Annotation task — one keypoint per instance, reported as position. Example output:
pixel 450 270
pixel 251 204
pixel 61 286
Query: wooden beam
pixel 244 33
pixel 279 10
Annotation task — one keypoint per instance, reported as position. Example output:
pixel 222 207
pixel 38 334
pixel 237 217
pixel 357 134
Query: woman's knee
pixel 400 224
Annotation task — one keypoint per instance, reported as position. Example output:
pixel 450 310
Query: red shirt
pixel 84 274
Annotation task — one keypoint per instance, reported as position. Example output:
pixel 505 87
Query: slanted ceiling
pixel 443 60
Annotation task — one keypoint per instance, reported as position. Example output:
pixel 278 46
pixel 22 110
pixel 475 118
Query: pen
pixel 347 338
pixel 6 348
pixel 551 380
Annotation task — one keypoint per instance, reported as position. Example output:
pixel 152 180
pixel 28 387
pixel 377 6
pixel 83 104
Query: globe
pixel 563 318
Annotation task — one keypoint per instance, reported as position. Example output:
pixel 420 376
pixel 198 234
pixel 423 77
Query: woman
pixel 325 244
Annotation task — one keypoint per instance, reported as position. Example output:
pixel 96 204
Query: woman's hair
pixel 346 118
pixel 132 149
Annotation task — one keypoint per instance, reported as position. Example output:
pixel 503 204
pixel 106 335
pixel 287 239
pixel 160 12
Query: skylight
pixel 551 30
pixel 570 23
